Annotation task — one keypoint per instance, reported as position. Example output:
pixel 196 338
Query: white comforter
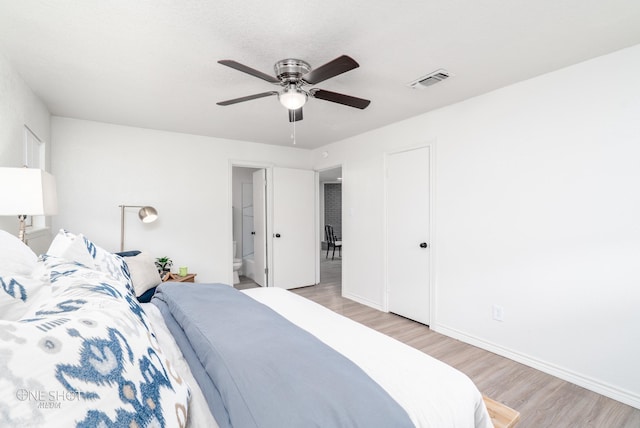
pixel 433 393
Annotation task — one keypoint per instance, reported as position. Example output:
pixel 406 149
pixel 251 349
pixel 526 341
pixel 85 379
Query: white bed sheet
pixel 433 393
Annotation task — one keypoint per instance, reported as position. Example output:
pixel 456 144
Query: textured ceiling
pixel 153 63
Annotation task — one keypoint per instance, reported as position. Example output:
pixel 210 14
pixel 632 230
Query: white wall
pixel 186 178
pixel 19 106
pixel 537 209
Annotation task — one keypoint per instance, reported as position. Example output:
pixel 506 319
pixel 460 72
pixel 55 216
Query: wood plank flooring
pixel 542 400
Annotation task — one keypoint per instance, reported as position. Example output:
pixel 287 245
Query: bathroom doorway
pixel 287 257
pixel 243 224
pixel 330 215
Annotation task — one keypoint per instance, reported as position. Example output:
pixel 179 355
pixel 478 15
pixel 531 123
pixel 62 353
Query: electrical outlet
pixel 498 313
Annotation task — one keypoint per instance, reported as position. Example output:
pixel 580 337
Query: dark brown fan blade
pixel 335 97
pixel 248 70
pixel 331 69
pixel 295 115
pixel 247 98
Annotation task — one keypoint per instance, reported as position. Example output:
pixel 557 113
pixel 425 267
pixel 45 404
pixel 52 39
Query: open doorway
pixel 285 243
pixel 330 215
pixel 243 227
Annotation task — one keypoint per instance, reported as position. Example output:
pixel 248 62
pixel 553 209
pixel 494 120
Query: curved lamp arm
pixel 146 214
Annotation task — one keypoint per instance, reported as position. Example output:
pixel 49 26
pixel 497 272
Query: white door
pixel 408 243
pixel 294 230
pixel 259 228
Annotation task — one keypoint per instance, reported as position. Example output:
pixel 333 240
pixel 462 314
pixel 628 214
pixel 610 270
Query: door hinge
pixel 266 271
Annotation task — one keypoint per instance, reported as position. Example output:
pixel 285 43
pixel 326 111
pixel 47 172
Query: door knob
pixel 277 235
pixel 253 233
pixel 423 245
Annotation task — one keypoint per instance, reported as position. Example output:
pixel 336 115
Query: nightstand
pixel 174 277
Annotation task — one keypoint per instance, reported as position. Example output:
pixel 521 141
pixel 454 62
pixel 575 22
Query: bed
pixel 78 349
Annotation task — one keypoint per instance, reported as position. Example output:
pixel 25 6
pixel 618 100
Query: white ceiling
pixel 153 63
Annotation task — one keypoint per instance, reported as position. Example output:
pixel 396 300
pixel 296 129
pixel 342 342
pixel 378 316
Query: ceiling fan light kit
pixel 292 98
pixel 293 75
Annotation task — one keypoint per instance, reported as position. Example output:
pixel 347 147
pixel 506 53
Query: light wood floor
pixel 542 400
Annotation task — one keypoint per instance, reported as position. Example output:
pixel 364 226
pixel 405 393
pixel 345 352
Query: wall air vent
pixel 430 79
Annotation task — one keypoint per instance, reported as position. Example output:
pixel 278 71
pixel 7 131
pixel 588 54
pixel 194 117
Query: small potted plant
pixel 164 265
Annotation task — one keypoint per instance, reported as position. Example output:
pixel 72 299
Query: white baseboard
pixel 362 300
pixel 618 394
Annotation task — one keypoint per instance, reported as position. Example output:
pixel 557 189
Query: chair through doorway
pixel 332 241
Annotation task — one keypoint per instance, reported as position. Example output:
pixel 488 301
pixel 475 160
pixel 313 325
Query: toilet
pixel 237 265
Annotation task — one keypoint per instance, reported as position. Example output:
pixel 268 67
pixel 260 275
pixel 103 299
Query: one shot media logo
pixel 46 399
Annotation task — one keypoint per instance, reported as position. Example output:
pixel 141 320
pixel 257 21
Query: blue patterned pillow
pixel 79 249
pixel 86 358
pixel 71 247
pixel 70 278
pixel 110 263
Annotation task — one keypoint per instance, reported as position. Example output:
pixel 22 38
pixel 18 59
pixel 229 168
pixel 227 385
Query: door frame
pixel 320 236
pixel 269 223
pixel 431 147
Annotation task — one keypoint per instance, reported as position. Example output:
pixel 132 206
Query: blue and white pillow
pixel 79 249
pixel 71 247
pixel 86 358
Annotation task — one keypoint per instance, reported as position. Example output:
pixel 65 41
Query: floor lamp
pixel 146 214
pixel 27 191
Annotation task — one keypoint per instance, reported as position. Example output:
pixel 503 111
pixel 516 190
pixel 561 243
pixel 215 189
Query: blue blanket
pixel 257 369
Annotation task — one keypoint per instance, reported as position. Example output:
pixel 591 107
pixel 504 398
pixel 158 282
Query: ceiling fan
pixel 293 75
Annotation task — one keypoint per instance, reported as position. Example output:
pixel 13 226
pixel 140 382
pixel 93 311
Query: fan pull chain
pixel 293 136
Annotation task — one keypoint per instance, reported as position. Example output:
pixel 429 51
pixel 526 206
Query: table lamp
pixel 27 191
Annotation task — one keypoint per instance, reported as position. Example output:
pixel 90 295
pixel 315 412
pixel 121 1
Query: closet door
pixel 408 246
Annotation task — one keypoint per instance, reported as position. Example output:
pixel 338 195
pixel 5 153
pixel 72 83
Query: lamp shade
pixel 27 191
pixel 148 214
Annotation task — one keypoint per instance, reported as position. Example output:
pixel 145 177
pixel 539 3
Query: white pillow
pixel 15 256
pixel 144 273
